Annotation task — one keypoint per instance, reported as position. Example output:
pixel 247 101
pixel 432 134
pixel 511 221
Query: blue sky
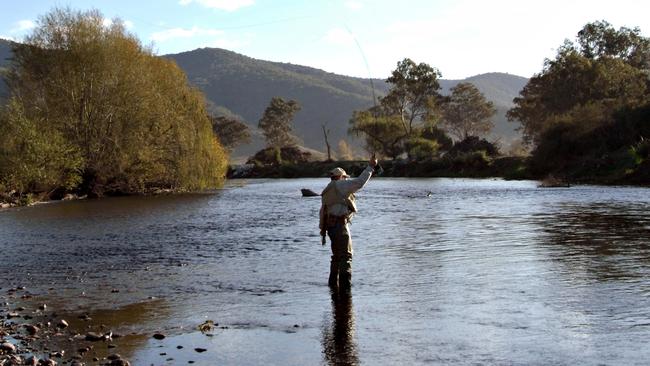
pixel 461 38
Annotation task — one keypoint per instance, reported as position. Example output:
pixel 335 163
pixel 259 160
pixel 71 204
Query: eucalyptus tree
pixel 276 122
pixel 467 113
pixel 588 80
pixel 230 131
pixel 396 124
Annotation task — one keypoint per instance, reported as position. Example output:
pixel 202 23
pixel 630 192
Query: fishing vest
pixel 332 196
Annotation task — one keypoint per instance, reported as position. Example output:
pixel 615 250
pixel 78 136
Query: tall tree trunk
pixel 329 153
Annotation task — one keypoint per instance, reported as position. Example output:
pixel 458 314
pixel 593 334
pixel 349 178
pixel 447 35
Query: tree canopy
pixel 605 67
pixel 467 113
pixel 230 131
pixel 586 112
pixel 276 122
pixel 395 126
pixel 91 108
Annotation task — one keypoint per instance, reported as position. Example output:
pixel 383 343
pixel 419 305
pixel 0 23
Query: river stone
pixel 7 347
pixel 48 362
pixel 94 337
pixel 16 360
pixel 32 361
pixel 62 324
pixel 114 356
pixel 68 197
pixel 159 336
pixel 119 362
pixel 31 329
pixel 200 350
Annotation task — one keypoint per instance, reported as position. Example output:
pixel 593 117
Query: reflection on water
pixel 605 240
pixel 477 272
pixel 339 344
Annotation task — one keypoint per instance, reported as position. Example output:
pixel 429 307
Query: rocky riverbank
pixel 14 199
pixel 32 333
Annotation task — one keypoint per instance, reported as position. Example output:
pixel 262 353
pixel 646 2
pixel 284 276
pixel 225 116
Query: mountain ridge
pixel 326 98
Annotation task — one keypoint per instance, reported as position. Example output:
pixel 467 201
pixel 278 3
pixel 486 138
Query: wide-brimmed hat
pixel 338 172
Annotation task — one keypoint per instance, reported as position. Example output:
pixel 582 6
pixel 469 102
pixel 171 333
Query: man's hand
pixel 373 162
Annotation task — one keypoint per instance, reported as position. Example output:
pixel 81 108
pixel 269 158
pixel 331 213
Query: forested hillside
pixel 244 86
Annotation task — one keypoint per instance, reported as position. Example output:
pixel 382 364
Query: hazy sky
pixel 461 38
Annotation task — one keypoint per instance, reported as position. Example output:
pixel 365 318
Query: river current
pixel 446 271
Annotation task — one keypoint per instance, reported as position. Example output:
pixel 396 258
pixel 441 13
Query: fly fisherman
pixel 336 210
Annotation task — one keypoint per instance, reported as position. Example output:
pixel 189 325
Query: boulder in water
pixel 309 193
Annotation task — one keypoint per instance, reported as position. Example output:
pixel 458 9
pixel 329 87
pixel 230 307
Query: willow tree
pixel 128 120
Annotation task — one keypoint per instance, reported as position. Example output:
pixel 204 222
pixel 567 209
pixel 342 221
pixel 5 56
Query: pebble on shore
pixel 28 343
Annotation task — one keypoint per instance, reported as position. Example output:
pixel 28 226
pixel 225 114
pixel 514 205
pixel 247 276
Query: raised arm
pixel 352 185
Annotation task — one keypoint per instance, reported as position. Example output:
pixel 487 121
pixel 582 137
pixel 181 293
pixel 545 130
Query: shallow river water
pixel 446 271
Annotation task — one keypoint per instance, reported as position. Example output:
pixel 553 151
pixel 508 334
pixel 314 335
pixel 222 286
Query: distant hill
pixel 244 86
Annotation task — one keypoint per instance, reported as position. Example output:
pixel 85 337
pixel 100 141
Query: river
pixel 446 271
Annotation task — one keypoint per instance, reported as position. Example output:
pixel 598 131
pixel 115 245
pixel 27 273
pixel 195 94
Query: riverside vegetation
pixel 585 116
pixel 91 111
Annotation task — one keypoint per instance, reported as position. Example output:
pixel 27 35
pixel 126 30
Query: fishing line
pixel 380 170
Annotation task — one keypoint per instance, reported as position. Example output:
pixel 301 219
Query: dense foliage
pixel 406 119
pixel 230 131
pixel 277 156
pixel 467 113
pixel 395 126
pixel 604 71
pixel 277 122
pixel 92 109
pixel 587 109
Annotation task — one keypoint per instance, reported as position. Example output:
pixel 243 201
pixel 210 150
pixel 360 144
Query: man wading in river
pixel 336 210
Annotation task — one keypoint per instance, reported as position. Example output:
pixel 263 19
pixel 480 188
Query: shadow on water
pixel 338 337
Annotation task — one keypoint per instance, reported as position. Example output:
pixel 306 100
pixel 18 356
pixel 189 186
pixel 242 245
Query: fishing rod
pixel 378 168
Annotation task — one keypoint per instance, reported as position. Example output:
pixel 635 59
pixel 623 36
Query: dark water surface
pixel 480 272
